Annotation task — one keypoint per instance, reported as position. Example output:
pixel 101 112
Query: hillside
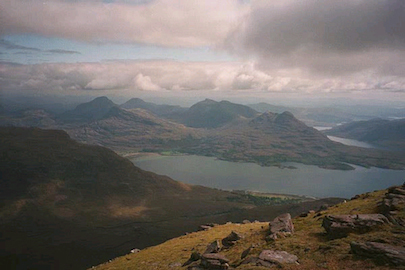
pixel 385 133
pixel 60 199
pixel 313 246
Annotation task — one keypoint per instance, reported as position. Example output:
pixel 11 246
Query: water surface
pixel 305 180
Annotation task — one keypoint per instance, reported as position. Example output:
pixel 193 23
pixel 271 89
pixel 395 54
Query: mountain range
pixel 222 129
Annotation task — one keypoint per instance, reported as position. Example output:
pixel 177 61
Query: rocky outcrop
pixel 382 253
pixel 338 226
pixel 393 202
pixel 280 227
pixel 231 239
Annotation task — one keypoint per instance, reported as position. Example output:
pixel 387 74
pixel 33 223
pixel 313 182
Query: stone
pixel 380 252
pixel 135 250
pixel 338 226
pixel 231 239
pixel 278 257
pixel 214 261
pixel 245 252
pixel 195 266
pixel 214 247
pixel 204 228
pixel 195 256
pixel 175 265
pixel 281 226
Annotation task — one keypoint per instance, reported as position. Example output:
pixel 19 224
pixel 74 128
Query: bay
pixel 306 180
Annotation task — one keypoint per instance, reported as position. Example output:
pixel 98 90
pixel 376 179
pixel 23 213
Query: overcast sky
pixel 211 48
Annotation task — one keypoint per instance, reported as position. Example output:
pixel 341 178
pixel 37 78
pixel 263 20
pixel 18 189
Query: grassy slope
pixel 309 243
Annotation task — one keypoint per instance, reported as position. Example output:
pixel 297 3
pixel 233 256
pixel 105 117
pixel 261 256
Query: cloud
pixel 160 22
pixel 328 38
pixel 172 76
pixel 7 45
pixel 58 51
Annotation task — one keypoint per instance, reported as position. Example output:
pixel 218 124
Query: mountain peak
pixel 89 111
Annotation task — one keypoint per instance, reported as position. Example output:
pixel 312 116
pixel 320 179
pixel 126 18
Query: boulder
pixel 271 258
pixel 280 226
pixel 278 257
pixel 338 226
pixel 385 253
pixel 214 261
pixel 214 247
pixel 231 239
pixel 195 256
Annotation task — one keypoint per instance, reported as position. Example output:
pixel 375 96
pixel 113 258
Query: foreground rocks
pixel 231 239
pixel 280 226
pixel 393 202
pixel 338 226
pixel 271 258
pixel 382 253
pixel 210 261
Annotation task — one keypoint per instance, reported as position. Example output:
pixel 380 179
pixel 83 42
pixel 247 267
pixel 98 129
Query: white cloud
pixel 173 76
pixel 161 22
pixel 142 82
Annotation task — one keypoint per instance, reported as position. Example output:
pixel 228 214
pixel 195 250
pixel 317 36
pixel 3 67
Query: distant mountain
pixel 376 131
pixel 333 115
pixel 89 111
pixel 66 205
pixel 135 129
pixel 29 118
pixel 310 116
pixel 213 114
pixel 160 110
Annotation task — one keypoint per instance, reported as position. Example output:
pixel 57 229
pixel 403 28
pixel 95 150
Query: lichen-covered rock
pixel 338 226
pixel 380 252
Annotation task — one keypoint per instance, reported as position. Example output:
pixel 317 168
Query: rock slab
pixel 386 253
pixel 338 226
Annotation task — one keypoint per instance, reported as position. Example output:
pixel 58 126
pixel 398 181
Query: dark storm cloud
pixel 324 36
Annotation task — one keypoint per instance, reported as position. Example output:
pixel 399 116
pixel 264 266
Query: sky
pixel 228 49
